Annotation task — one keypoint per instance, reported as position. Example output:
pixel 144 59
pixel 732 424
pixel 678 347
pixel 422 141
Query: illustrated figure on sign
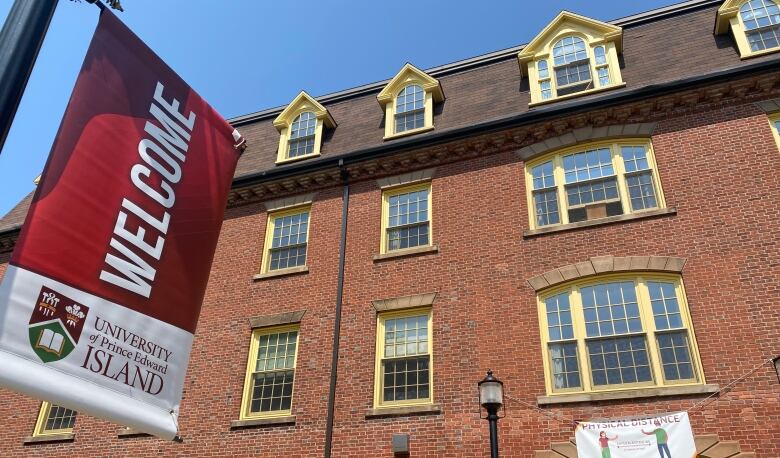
pixel 661 437
pixel 604 443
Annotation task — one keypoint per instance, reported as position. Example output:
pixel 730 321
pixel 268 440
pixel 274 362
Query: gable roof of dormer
pixel 566 22
pixel 727 10
pixel 410 74
pixel 301 103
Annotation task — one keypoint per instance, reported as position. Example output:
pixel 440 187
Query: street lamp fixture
pixel 491 397
pixel 776 364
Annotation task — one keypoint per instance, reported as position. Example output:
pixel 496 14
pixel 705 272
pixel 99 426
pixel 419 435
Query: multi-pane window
pixel 618 333
pixel 54 419
pixel 302 135
pixel 406 219
pixel 404 358
pixel 545 197
pixel 761 19
pixel 544 79
pixel 410 109
pixel 270 372
pixel 592 181
pixel 286 239
pixel 571 65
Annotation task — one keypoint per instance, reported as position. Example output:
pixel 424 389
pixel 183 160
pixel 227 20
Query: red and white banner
pixel 101 298
pixel 664 436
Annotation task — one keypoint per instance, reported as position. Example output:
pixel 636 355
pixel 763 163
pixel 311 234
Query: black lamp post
pixel 491 397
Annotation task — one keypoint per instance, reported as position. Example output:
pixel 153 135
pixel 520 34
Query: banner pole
pixel 20 40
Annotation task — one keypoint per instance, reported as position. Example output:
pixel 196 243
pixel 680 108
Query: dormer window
pixel 408 102
pixel 582 53
pixel 300 126
pixel 302 135
pixel 755 25
pixel 761 19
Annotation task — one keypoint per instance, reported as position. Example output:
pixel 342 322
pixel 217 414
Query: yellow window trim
pixel 302 103
pixel 640 279
pixel 617 164
pixel 269 234
pixel 380 339
pixel 594 33
pixel 728 17
pixel 387 193
pixel 407 76
pixel 773 118
pixel 40 423
pixel 246 397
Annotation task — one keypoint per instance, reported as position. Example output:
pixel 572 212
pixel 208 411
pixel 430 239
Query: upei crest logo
pixel 55 325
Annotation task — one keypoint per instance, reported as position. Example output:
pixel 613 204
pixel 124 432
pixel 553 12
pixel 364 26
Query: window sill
pixel 384 412
pixel 281 273
pixel 759 53
pixel 64 437
pixel 680 390
pixel 416 251
pixel 296 159
pixel 286 420
pixel 406 133
pixel 577 94
pixel 600 221
pixel 127 433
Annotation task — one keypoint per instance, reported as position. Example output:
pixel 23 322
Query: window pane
pixel 271 391
pixel 406 336
pixel 603 76
pixel 601 56
pixel 559 322
pixel 619 360
pixel 542 68
pixel 546 207
pixel 641 190
pixel 569 49
pixel 666 308
pixel 406 379
pixel 588 165
pixel 675 356
pixel 302 135
pixel 410 108
pixel 565 368
pixel 610 308
pixel 59 418
pixel 543 175
pixel 288 245
pixel 408 220
pixel 761 19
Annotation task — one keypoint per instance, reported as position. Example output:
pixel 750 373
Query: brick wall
pixel 718 169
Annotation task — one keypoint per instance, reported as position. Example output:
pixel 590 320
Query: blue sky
pixel 245 56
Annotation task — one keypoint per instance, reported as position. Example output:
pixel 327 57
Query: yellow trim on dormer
pixel 409 75
pixel 728 18
pixel 566 22
pixel 302 103
pixel 594 33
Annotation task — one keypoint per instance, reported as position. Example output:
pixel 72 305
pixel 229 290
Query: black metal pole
pixel 493 420
pixel 20 41
pixel 334 362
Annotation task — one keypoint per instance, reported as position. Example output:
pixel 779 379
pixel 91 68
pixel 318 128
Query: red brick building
pixel 593 216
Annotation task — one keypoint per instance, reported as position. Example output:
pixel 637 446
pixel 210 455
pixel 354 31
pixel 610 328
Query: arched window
pixel 302 134
pixel 761 19
pixel 592 181
pixel 618 331
pixel 410 108
pixel 571 65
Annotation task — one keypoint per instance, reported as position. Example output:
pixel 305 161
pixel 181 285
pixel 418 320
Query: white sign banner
pixel 664 436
